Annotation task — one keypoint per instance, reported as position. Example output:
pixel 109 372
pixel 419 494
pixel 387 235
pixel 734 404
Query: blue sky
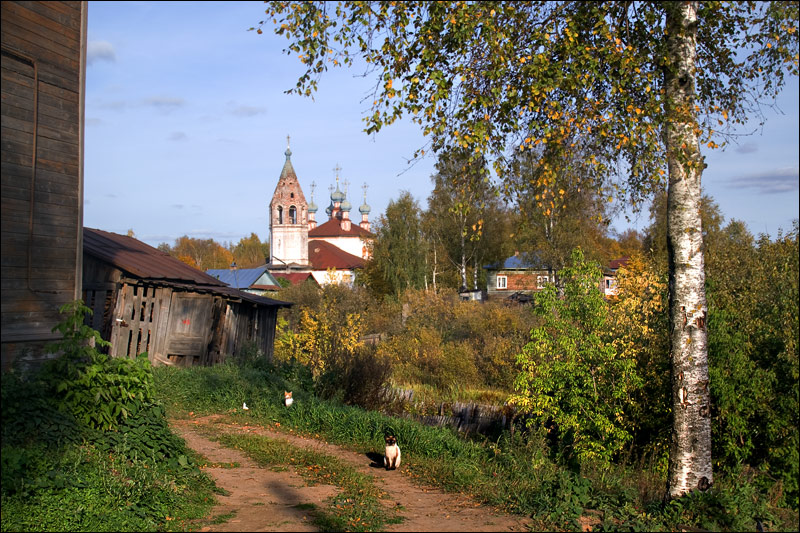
pixel 186 125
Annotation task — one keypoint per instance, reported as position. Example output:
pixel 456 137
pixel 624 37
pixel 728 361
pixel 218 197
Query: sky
pixel 187 122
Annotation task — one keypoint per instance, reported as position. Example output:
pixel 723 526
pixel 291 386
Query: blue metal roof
pixel 241 278
pixel 521 261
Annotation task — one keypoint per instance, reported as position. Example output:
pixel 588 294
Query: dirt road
pixel 265 500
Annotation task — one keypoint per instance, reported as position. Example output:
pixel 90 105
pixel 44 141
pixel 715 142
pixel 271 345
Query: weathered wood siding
pixel 516 280
pixel 43 76
pixel 175 327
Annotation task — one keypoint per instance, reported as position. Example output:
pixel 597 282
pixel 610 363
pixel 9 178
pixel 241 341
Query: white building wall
pixel 352 245
pixel 289 244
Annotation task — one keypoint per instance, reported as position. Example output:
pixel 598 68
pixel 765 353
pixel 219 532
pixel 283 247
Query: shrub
pixel 570 376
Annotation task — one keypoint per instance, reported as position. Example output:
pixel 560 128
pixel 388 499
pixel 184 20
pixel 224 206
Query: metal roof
pixel 140 260
pixel 323 255
pixel 333 228
pixel 242 278
pixel 294 277
pixel 521 261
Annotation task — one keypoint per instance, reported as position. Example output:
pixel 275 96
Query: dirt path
pixel 265 500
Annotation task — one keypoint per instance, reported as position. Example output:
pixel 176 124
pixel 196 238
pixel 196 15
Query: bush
pixel 358 377
pixel 85 432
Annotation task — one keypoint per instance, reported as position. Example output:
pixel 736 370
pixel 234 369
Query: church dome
pixel 312 207
pixel 364 209
pixel 329 210
pixel 346 205
pixel 337 195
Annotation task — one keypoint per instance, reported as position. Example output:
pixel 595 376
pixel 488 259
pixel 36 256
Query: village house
pixel 608 286
pixel 256 281
pixel 516 277
pixel 521 275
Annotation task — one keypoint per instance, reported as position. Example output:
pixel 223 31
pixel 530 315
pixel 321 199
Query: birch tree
pixel 646 83
pixel 465 215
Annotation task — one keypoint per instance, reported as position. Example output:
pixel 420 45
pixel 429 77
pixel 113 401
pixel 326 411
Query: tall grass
pixel 520 474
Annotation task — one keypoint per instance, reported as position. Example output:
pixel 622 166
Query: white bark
pixel 690 450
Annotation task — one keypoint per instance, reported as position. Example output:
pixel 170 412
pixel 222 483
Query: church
pixel 330 252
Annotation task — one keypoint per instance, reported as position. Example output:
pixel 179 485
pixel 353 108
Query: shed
pixel 145 300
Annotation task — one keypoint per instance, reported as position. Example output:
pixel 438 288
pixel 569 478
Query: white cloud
pixel 100 51
pixel 747 148
pixel 248 111
pixel 164 103
pixel 177 136
pixel 777 181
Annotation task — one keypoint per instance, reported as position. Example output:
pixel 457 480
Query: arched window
pixel 280 215
pixel 292 215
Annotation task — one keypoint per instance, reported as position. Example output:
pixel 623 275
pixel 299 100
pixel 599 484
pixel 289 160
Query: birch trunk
pixel 690 449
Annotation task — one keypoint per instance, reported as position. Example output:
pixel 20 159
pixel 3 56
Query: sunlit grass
pixel 518 474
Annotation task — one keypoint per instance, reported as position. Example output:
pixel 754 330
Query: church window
pixel 291 195
pixel 280 215
pixel 292 215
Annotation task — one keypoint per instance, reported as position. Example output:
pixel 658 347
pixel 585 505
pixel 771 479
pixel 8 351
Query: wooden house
pixel 145 300
pixel 43 79
pixel 517 276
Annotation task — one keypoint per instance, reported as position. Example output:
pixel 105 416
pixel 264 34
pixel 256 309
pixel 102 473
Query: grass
pixel 519 474
pixel 427 398
pixel 103 492
pixel 107 486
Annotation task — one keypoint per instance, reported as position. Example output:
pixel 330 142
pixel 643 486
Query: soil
pixel 261 499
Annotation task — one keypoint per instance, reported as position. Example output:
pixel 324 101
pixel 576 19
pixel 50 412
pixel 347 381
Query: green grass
pixel 80 488
pixel 58 475
pixel 518 474
pixel 51 465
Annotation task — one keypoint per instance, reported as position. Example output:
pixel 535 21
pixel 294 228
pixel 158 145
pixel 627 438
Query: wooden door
pixel 189 328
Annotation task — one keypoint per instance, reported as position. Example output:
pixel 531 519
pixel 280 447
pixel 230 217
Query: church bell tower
pixel 288 219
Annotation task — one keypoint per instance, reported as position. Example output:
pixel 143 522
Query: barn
pixel 144 300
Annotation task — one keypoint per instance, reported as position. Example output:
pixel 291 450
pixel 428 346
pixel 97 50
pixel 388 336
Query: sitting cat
pixel 287 398
pixel 391 458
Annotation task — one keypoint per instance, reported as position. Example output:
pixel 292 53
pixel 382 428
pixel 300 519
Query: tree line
pixel 203 254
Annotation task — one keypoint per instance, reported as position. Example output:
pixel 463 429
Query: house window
pixel 292 215
pixel 541 281
pixel 502 282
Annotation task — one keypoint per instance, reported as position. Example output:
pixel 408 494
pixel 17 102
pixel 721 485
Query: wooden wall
pixel 43 78
pixel 175 327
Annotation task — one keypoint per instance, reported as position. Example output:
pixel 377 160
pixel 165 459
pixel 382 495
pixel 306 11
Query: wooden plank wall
pixel 176 328
pixel 43 75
